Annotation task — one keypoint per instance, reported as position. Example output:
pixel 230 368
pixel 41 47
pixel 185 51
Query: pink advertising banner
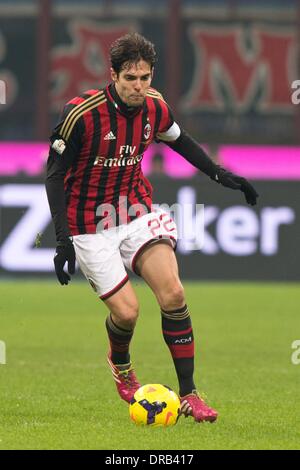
pixel 254 162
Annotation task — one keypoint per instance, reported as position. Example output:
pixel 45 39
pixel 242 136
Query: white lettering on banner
pixel 236 230
pixel 16 253
pixel 210 245
pixel 271 220
pixel 239 230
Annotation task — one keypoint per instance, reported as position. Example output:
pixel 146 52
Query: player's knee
pixel 173 297
pixel 130 316
pixel 127 315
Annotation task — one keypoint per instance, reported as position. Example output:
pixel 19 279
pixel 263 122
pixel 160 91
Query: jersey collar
pixel 123 108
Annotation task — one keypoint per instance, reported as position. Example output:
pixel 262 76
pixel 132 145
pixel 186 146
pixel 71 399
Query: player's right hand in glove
pixel 230 180
pixel 64 253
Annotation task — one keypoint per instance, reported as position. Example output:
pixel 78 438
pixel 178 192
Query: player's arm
pixel 64 148
pixel 180 141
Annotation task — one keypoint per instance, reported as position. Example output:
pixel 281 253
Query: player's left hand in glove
pixel 64 253
pixel 230 180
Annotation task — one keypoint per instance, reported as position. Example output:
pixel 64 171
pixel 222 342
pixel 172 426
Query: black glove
pixel 229 180
pixel 64 252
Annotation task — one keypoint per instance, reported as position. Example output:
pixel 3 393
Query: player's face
pixel 133 82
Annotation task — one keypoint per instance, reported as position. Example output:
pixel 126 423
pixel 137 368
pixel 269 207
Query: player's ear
pixel 152 73
pixel 113 74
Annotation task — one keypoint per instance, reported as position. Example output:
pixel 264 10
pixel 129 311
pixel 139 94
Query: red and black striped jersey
pixel 100 146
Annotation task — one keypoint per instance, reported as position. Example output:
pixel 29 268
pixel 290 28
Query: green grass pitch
pixel 56 391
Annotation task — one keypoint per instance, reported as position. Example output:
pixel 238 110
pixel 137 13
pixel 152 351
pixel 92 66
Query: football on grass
pixel 154 405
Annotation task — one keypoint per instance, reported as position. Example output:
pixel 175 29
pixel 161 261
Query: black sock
pixel 119 339
pixel 178 334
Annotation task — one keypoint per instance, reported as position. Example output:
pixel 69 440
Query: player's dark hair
pixel 130 49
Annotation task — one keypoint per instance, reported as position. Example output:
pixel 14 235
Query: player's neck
pixel 121 105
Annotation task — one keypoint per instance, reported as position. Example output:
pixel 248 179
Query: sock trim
pixel 179 314
pixel 177 310
pixel 117 329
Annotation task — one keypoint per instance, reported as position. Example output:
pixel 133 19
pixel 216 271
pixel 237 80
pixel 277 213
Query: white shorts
pixel 104 256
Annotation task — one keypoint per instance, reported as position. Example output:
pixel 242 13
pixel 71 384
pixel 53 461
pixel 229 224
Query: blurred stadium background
pixel 227 68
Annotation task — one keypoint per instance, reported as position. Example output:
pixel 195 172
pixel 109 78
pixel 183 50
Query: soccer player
pixel 101 206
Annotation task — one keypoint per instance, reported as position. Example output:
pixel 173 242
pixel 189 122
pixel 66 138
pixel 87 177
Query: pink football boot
pixel 193 405
pixel 125 378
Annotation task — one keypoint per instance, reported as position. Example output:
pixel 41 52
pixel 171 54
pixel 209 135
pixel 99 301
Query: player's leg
pixel 157 265
pixel 148 251
pixel 120 323
pixel 100 260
